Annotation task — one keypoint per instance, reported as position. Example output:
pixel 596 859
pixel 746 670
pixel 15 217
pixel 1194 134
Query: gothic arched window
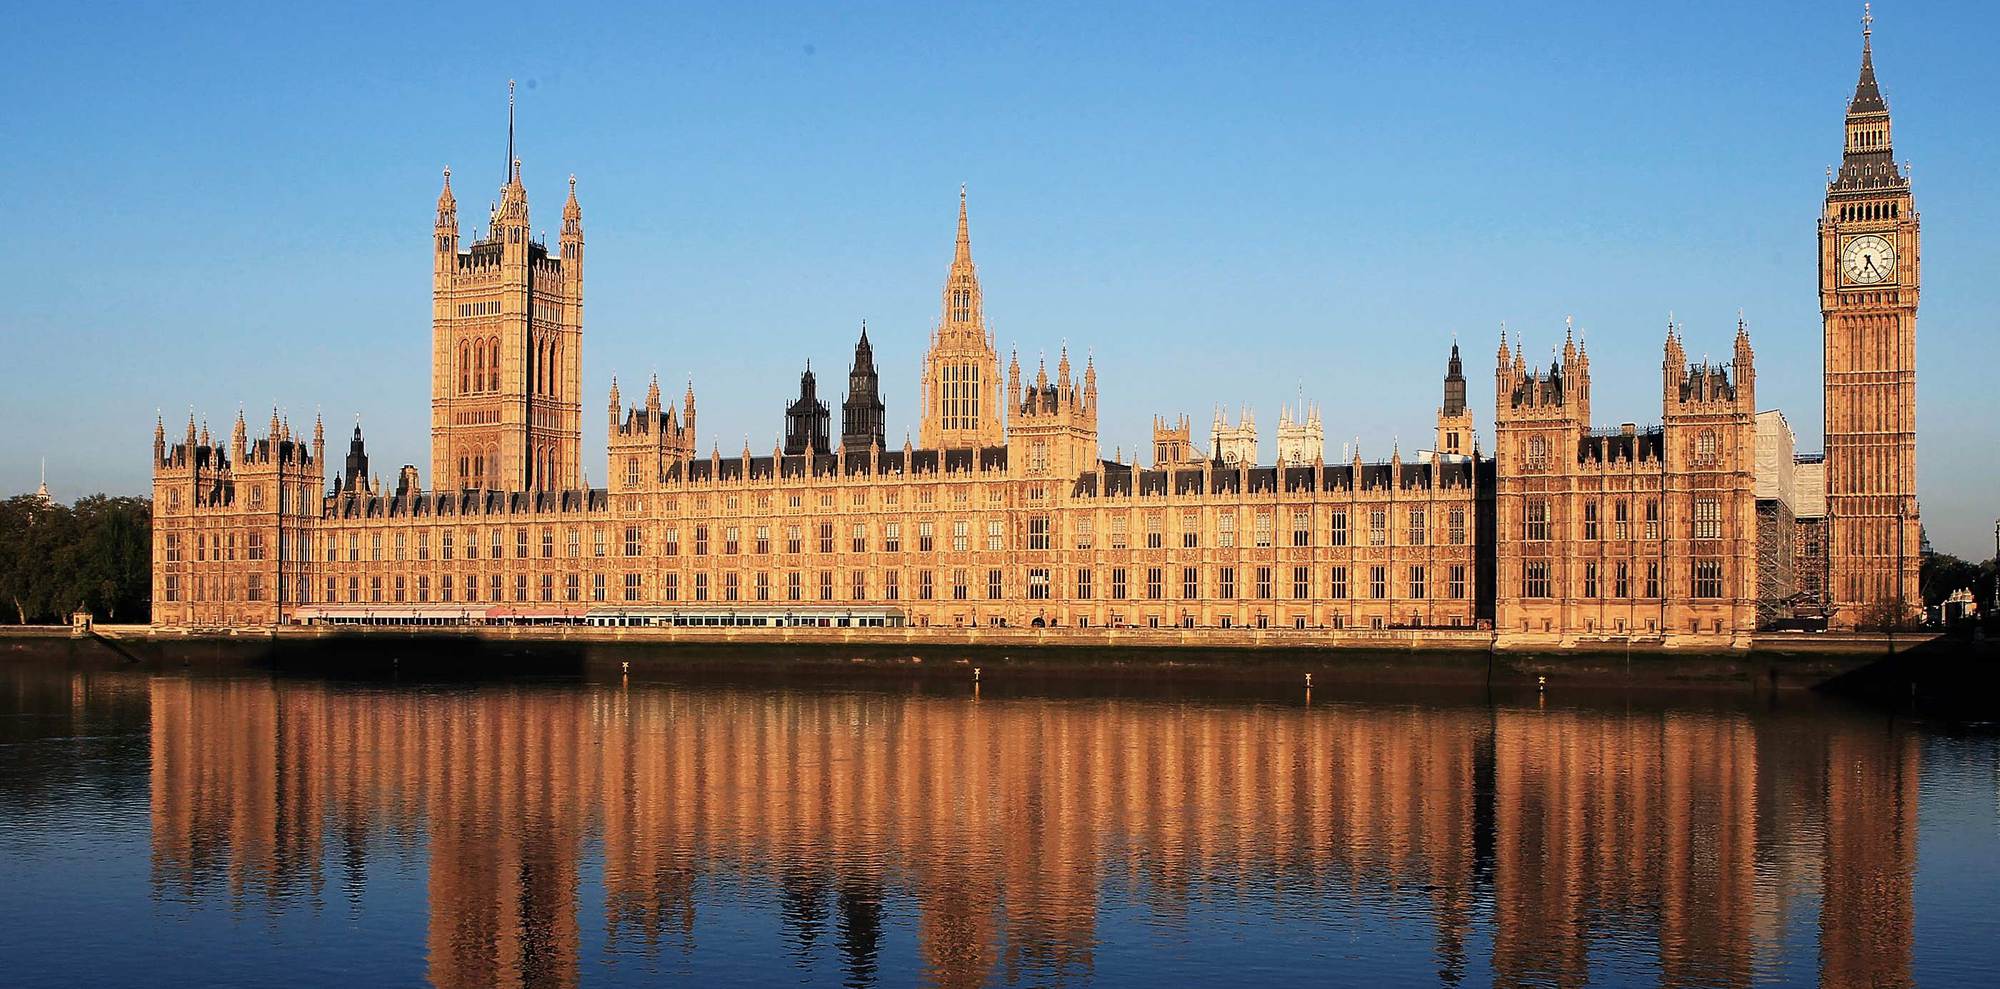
pixel 464 370
pixel 1704 448
pixel 493 365
pixel 1538 452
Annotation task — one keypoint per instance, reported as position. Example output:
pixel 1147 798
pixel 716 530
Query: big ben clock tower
pixel 1868 279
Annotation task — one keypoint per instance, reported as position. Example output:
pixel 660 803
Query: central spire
pixel 963 257
pixel 961 384
pixel 1867 161
pixel 962 312
pixel 513 163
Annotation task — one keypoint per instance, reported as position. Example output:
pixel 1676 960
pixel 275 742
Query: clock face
pixel 1867 260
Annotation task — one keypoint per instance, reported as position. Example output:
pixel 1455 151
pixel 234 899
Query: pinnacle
pixel 963 255
pixel 1867 96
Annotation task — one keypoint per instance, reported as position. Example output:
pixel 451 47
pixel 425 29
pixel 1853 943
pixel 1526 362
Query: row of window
pixel 959 536
pixel 1039 584
pixel 201 587
pixel 1706 524
pixel 221 547
pixel 1706 578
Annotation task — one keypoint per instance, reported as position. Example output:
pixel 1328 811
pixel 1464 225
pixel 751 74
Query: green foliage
pixel 1943 573
pixel 96 554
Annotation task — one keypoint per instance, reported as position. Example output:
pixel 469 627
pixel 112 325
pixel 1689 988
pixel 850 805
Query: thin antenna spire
pixel 510 131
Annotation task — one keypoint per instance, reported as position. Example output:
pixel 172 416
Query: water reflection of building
pixel 1568 834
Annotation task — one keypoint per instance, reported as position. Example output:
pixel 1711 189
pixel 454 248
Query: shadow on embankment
pixel 1951 677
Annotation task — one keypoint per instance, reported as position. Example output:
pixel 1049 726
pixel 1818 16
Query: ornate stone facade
pixel 1622 532
pixel 235 527
pixel 1005 513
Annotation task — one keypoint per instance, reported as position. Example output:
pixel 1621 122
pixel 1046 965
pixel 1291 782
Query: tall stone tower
pixel 1236 444
pixel 1301 437
pixel 1173 443
pixel 506 330
pixel 1454 427
pixel 961 385
pixel 1868 282
pixel 806 420
pixel 861 414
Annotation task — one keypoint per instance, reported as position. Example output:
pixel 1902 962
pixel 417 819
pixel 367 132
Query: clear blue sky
pixel 1228 202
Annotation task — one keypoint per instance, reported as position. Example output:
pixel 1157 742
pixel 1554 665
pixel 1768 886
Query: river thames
pixel 237 828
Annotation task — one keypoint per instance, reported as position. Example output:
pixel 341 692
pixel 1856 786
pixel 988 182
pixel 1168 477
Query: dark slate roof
pixel 1867 96
pixel 1152 483
pixel 1539 389
pixel 1619 445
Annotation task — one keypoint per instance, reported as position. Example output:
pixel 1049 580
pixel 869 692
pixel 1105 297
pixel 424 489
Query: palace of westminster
pixel 1698 530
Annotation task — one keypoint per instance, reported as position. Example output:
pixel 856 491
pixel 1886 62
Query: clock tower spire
pixel 1869 279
